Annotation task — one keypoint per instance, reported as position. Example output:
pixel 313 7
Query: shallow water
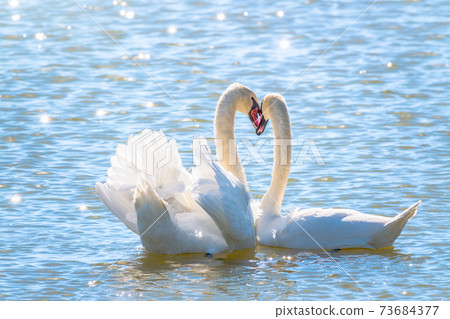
pixel 375 105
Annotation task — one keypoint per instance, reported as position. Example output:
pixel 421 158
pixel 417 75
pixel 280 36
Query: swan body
pixel 172 210
pixel 314 228
pixel 318 228
pixel 158 207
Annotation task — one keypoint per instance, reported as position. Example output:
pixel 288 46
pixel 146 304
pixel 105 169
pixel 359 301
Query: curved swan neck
pixel 226 148
pixel 272 200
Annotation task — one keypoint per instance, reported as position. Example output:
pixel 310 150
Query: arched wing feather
pixel 223 197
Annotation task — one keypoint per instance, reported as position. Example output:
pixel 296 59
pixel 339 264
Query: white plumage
pixel 151 192
pixel 318 228
pixel 315 228
pixel 225 199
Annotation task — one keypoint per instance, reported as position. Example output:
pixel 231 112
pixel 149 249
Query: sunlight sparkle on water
pixel 130 15
pixel 284 44
pixel 121 3
pixel 221 16
pixel 16 199
pixel 172 29
pixel 44 119
pixel 127 14
pixel 40 36
pixel 15 17
pixel 149 104
pixel 13 3
pixel 143 56
pixel 72 102
pixel 280 13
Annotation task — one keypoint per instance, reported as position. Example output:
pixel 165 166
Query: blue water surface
pixel 368 85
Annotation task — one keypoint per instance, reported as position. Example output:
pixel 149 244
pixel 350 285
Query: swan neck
pixel 272 200
pixel 226 147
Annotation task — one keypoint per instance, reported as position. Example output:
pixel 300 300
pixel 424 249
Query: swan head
pixel 270 104
pixel 246 102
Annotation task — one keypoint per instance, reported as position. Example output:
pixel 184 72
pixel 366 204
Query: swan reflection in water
pixel 225 276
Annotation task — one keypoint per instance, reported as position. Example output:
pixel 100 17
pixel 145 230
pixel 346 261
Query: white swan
pixel 150 191
pixel 314 228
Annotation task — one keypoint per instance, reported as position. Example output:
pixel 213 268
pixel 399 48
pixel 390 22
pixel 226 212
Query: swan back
pixel 318 228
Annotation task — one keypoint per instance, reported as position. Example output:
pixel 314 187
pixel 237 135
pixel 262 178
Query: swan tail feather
pixel 394 227
pixel 118 204
pixel 153 217
pixel 152 155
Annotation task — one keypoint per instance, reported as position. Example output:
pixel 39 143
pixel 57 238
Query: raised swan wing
pixel 223 198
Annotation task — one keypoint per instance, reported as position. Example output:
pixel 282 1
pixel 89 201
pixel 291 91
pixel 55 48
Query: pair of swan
pixel 210 210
